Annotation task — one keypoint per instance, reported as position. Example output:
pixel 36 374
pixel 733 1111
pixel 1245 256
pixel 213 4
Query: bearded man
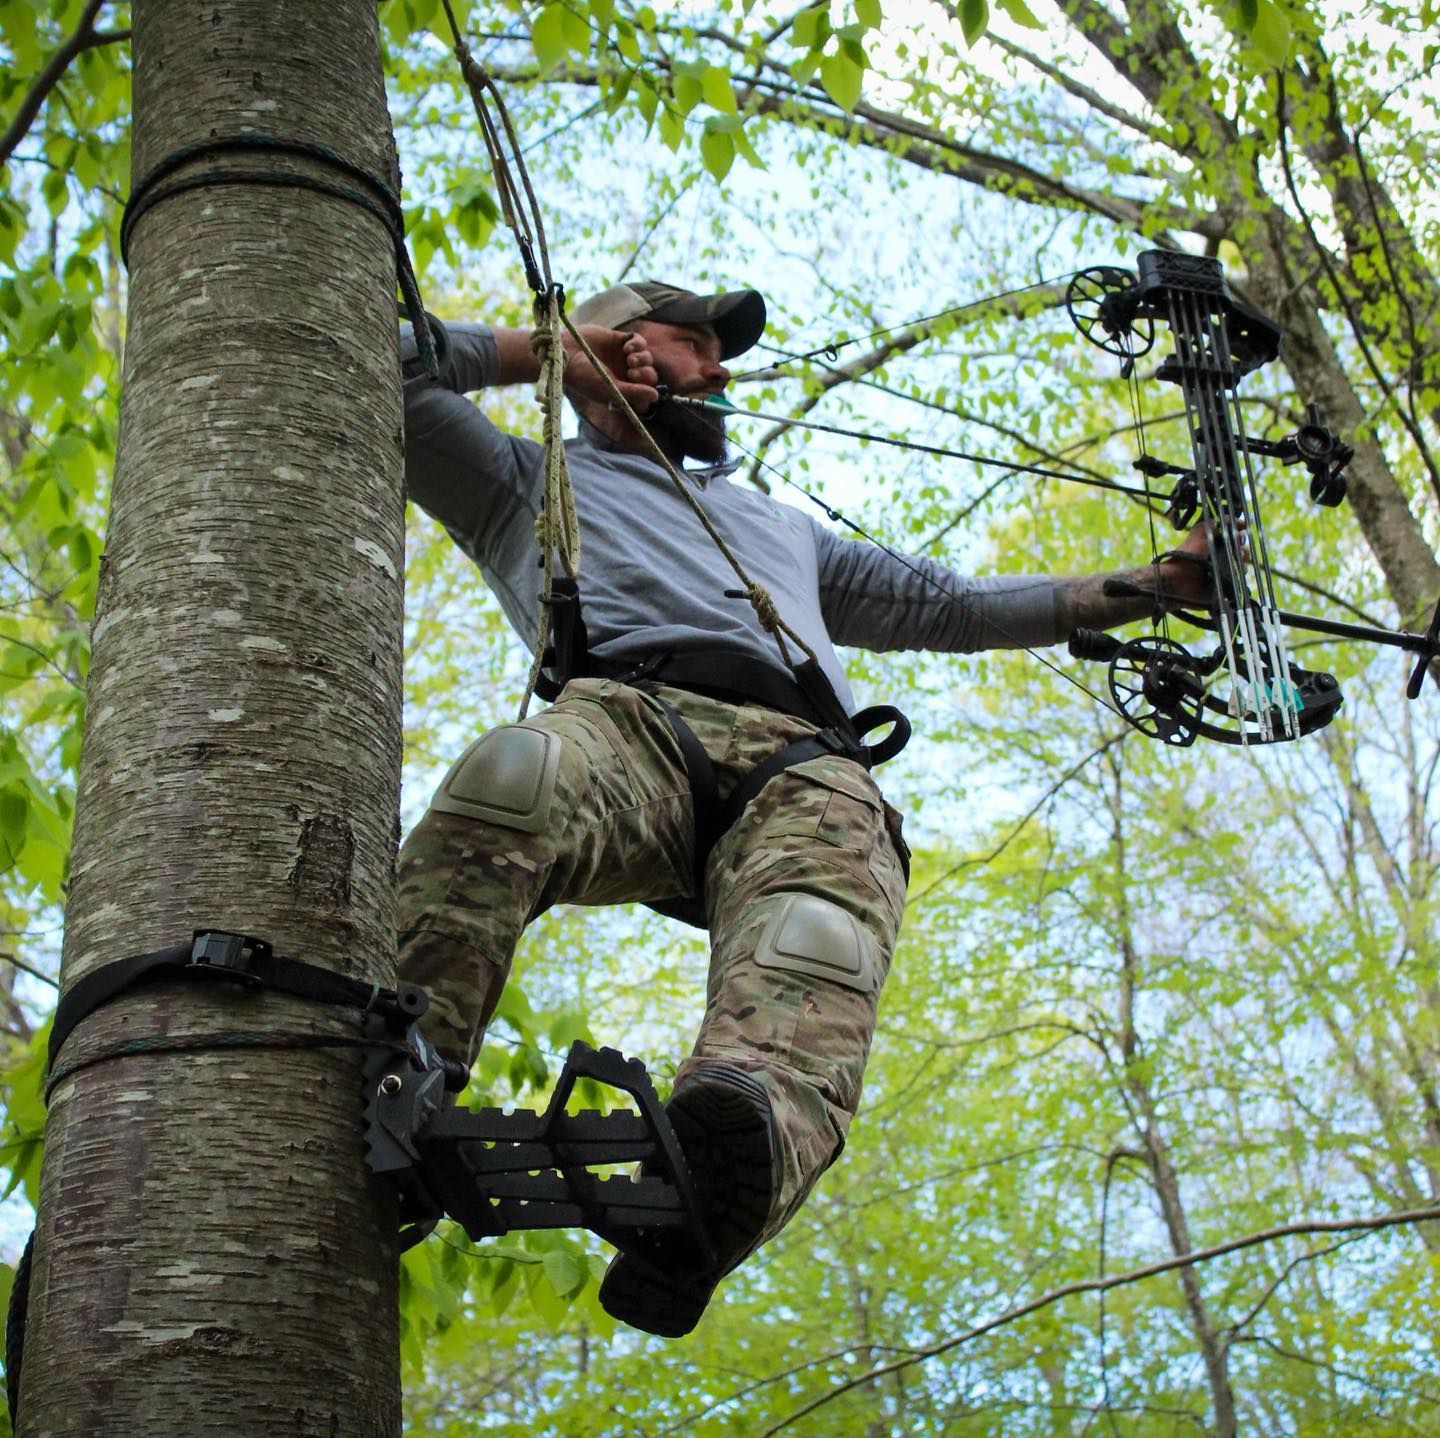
pixel 683 763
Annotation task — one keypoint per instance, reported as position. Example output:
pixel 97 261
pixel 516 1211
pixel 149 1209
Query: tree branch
pixel 1374 1223
pixel 26 969
pixel 1019 825
pixel 86 37
pixel 1082 92
pixel 929 149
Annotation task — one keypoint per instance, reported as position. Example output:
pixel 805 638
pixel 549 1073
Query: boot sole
pixel 722 1121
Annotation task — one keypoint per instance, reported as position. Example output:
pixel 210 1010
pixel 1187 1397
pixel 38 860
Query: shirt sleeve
pixel 882 601
pixel 459 467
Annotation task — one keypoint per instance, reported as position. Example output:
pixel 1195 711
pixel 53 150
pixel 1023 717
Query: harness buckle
pixel 231 956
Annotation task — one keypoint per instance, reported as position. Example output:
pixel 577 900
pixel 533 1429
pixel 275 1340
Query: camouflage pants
pixel 811 868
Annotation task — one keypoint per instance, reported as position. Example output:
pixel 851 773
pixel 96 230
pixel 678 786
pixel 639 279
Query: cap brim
pixel 737 317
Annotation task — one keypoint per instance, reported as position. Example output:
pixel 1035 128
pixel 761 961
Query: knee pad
pixel 505 777
pixel 819 939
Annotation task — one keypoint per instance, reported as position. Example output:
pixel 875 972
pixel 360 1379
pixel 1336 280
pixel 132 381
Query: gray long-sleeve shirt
pixel 651 579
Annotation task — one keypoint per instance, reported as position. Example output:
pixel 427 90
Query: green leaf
pixel 14 820
pixel 811 28
pixel 81 549
pixel 1022 14
pixel 841 77
pixel 719 93
pixel 974 19
pixel 688 91
pixel 615 88
pixel 548 36
pixel 867 12
pixel 717 150
pixel 1270 33
pixel 567 1273
pixel 747 150
pixel 805 67
pixel 52 187
pixel 577 31
pixel 1249 12
pixel 671 127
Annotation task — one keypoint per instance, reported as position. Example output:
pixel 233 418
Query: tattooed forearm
pixel 1081 601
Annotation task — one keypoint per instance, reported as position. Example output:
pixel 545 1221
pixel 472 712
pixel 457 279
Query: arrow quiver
pixel 493 1171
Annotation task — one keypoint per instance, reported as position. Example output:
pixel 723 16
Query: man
pixel 599 798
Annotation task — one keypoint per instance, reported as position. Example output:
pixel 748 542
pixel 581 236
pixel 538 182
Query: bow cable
pixel 1015 466
pixel 831 350
pixel 839 517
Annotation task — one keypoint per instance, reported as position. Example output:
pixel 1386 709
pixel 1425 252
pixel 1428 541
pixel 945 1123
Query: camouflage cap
pixel 737 316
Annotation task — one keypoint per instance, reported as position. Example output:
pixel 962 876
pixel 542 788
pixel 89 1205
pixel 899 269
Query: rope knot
pixel 764 606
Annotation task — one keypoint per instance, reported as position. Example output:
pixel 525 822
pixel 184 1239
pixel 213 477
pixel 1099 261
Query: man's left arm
pixel 881 601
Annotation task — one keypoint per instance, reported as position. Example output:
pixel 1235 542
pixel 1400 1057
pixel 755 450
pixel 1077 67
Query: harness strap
pixel 567 656
pixel 734 678
pixel 704 790
pixel 237 958
pixel 713 820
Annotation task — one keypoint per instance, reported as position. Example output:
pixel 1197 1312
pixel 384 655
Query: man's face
pixel 687 361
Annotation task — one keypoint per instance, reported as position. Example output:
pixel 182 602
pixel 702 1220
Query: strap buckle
pixel 231 956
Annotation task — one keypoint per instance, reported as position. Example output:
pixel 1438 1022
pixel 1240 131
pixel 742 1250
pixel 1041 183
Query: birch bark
pixel 210 1257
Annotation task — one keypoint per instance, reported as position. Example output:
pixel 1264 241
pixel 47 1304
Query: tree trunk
pixel 1164 1180
pixel 210 1257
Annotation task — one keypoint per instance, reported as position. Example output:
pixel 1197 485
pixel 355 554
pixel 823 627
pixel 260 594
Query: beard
pixel 696 433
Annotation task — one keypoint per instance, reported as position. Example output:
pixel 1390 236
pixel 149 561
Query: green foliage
pixel 1227 959
pixel 22 1138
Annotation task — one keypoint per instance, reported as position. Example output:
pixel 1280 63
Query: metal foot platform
pixel 493 1171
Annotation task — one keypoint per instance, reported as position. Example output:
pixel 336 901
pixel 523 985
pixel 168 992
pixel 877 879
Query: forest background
pixel 1147 1001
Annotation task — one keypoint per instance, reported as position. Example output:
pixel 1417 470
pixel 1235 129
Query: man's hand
pixel 1102 601
pixel 1189 580
pixel 628 359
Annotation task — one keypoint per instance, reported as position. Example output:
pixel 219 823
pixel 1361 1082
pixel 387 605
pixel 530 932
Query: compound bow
pixel 1157 684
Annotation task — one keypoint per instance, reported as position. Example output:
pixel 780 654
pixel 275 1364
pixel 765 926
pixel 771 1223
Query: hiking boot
pixel 722 1121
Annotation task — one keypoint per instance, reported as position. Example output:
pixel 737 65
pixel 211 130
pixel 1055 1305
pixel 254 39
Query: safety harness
pixel 805 694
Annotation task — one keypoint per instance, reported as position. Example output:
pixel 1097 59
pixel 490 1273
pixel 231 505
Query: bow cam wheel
pixel 1095 300
pixel 1157 687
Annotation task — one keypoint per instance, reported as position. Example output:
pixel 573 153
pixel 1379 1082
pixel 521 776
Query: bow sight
pixel 1157 684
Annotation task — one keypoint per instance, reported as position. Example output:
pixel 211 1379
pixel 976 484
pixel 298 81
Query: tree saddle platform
pixel 492 1170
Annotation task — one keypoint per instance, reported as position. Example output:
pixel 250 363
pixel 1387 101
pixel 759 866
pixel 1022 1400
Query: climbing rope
pixel 557 527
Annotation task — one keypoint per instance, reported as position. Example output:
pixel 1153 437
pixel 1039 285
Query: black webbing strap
pixel 734 678
pixel 234 958
pixel 374 193
pixel 704 790
pixel 567 655
pixel 713 820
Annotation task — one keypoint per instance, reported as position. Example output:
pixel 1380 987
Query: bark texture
pixel 211 1257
